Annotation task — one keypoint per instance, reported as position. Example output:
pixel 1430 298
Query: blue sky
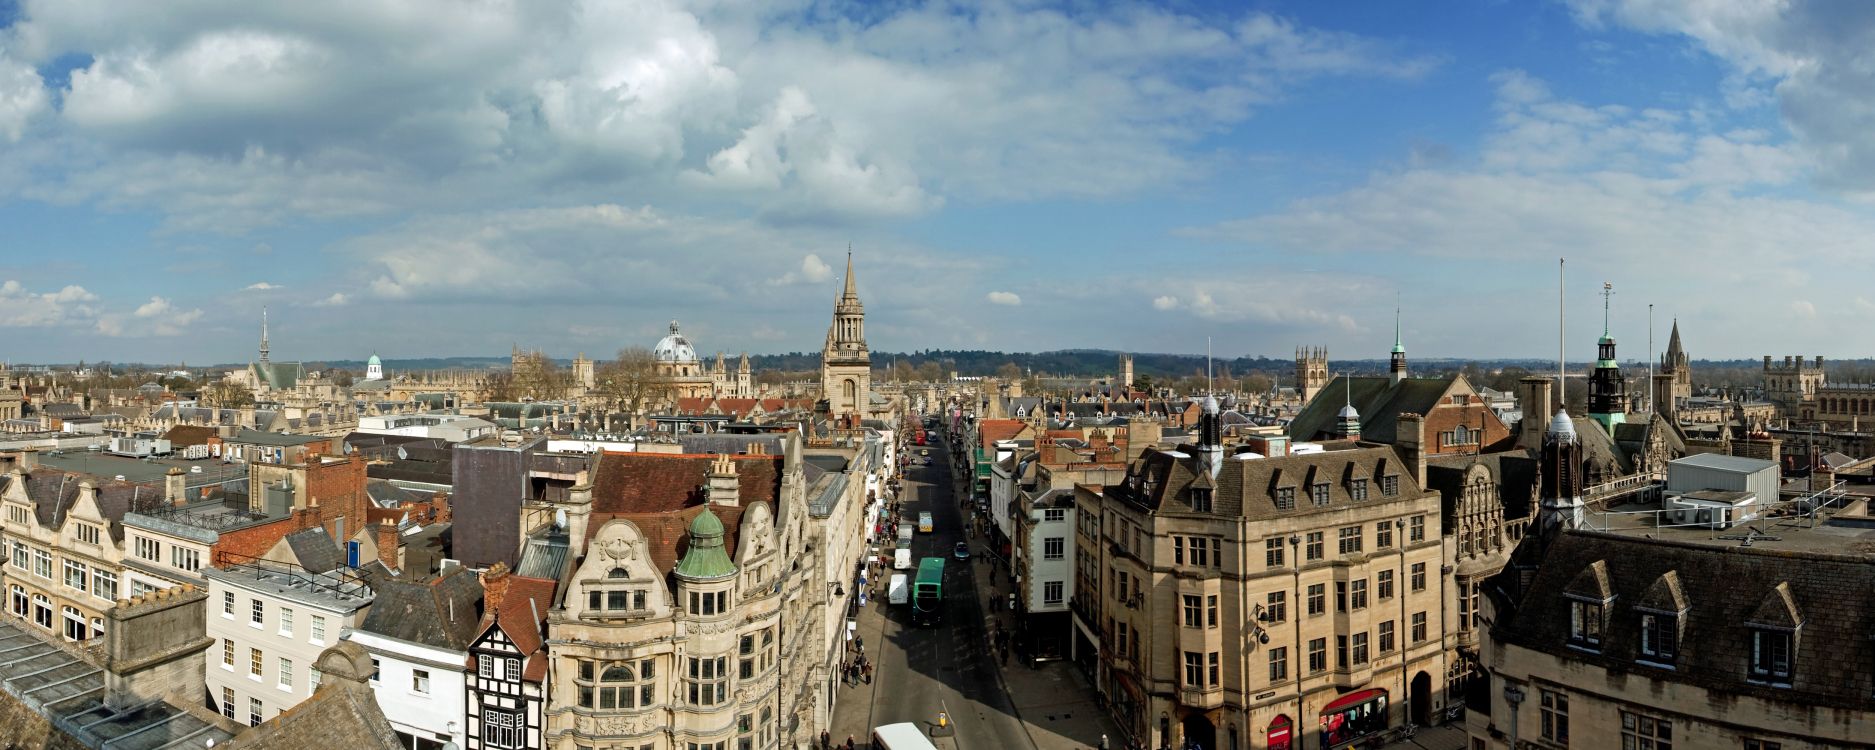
pixel 436 178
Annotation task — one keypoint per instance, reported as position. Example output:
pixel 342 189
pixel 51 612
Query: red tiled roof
pixel 521 620
pixel 737 406
pixel 667 535
pixel 991 430
pixel 663 482
pixel 690 407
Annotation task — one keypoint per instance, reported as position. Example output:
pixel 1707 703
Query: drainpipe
pixel 1295 619
pixel 1405 584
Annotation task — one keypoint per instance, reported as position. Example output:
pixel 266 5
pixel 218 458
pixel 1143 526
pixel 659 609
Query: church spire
pixel 263 334
pixel 851 293
pixel 1396 365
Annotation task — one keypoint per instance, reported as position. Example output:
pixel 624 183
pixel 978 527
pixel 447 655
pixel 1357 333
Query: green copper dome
pixel 706 557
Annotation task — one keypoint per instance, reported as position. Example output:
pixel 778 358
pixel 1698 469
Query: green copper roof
pixel 1399 346
pixel 706 557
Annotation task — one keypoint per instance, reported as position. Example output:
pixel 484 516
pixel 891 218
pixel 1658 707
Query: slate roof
pixel 440 611
pixel 55 492
pixel 667 535
pixel 655 482
pixel 315 550
pixel 256 437
pixel 187 434
pixel 1724 588
pixel 1379 400
pixel 1161 480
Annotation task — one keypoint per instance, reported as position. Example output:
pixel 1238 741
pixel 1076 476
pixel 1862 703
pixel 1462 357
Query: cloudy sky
pixel 435 177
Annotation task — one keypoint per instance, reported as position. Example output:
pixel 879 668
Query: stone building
pixel 1243 601
pixel 845 362
pixel 1673 382
pixel 1661 637
pixel 1311 372
pixel 418 632
pixel 706 598
pixel 1792 384
pixel 507 674
pixel 63 537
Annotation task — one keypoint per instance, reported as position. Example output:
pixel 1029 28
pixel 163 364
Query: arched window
pixel 618 573
pixel 852 393
pixel 619 685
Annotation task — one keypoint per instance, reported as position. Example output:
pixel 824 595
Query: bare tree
pixel 1009 372
pixel 538 377
pixel 632 381
pixel 228 394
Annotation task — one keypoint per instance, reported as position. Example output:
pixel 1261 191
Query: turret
pixel 1396 365
pixel 1608 391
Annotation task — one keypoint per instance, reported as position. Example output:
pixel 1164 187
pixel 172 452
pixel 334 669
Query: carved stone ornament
pixel 619 549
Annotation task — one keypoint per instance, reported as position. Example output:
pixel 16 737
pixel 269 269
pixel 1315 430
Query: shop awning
pixel 1353 699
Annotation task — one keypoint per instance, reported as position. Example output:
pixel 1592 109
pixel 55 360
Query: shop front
pixel 1354 717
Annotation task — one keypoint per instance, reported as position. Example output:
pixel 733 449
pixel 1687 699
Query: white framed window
pixel 257 612
pixel 103 584
pixel 1052 592
pixel 253 712
pixel 185 558
pixel 227 654
pixel 42 564
pixel 227 603
pixel 420 681
pixel 313 678
pixel 88 533
pixel 318 629
pixel 485 667
pixel 227 702
pixel 1054 548
pixel 254 661
pixel 286 621
pixel 77 575
pixel 149 549
pixel 286 673
pixel 501 730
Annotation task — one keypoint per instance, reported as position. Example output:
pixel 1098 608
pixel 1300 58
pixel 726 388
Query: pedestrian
pixel 1005 656
pixel 849 742
pixel 826 740
pixel 868 673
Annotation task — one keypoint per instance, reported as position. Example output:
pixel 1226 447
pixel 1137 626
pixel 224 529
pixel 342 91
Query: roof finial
pixel 1399 344
pixel 263 333
pixel 1608 291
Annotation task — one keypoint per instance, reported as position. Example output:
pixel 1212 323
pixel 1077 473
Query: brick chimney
pixel 387 544
pixel 29 460
pixel 494 586
pixel 725 484
pixel 174 492
pixel 1410 440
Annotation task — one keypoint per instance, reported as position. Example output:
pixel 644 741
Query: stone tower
pixel 845 363
pixel 1793 384
pixel 1673 384
pixel 1560 494
pixel 1311 372
pixel 1126 371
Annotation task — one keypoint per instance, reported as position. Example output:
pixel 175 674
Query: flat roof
pixel 341 589
pixel 1723 462
pixel 1778 527
pixel 101 464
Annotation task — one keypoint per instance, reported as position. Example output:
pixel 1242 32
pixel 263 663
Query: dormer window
pixel 1585 624
pixel 1357 489
pixel 1771 654
pixel 1285 498
pixel 1318 493
pixel 608 596
pixel 1201 500
pixel 1660 637
pixel 1390 485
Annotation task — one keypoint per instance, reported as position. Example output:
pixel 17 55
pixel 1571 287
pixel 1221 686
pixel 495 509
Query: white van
pixel 901 558
pixel 904 535
pixel 898 591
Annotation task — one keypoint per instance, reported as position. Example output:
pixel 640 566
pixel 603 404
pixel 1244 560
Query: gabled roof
pixel 315 550
pixel 667 535
pixel 522 616
pixel 1379 400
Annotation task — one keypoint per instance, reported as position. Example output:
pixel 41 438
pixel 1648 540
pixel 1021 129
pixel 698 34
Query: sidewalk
pixel 852 714
pixel 1053 701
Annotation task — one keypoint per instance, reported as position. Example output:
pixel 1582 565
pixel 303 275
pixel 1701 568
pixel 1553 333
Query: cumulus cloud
pixel 235 116
pixel 1165 302
pixel 21 308
pixel 157 317
pixel 1810 58
pixel 337 299
pixel 262 286
pixel 812 270
pixel 1003 298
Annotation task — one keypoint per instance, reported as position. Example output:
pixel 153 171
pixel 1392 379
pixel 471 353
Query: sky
pixel 450 178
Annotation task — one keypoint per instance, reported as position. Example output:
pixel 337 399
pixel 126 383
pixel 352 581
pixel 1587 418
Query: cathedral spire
pixel 263 334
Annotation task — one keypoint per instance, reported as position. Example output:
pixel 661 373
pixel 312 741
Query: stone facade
pixel 845 362
pixel 1328 565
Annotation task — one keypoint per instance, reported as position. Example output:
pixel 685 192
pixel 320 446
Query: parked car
pixel 961 551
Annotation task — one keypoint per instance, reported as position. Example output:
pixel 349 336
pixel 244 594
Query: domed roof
pixel 706 524
pixel 1209 404
pixel 674 348
pixel 706 558
pixel 1348 412
pixel 1561 426
pixel 374 361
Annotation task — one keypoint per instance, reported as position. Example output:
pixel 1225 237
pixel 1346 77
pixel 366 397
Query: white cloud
pixel 1803 308
pixel 22 97
pixel 338 299
pixel 813 270
pixel 1003 298
pixel 1165 302
pixel 229 116
pixel 20 308
pixel 262 286
pixel 157 317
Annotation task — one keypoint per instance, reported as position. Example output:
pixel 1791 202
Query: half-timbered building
pixel 508 663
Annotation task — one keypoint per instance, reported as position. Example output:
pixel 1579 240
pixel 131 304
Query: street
pixel 921 671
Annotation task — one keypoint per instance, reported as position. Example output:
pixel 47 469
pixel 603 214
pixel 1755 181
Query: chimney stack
pixel 174 492
pixel 494 586
pixel 29 460
pixel 387 545
pixel 1411 436
pixel 1537 408
pixel 725 485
